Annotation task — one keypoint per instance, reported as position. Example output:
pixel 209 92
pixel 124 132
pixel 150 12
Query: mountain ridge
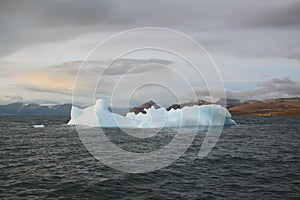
pixel 19 108
pixel 270 107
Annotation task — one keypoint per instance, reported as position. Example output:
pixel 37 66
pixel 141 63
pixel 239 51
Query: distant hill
pixel 149 104
pixel 191 103
pixel 146 105
pixel 228 102
pixel 272 107
pixel 35 109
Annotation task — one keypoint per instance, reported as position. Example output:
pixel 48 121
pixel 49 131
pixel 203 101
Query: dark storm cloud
pixel 247 28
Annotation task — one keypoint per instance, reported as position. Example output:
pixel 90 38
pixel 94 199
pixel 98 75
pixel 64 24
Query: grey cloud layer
pixel 118 67
pixel 59 79
pixel 270 89
pixel 274 88
pixel 251 28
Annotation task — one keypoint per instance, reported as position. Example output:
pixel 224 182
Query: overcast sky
pixel 255 45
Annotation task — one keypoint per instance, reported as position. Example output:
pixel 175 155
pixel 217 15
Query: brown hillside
pixel 275 107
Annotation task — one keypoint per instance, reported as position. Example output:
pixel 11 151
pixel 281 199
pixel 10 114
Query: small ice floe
pixel 38 126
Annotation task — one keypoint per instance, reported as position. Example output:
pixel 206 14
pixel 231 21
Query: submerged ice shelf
pixel 196 116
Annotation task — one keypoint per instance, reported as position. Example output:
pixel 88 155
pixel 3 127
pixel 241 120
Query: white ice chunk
pixel 38 126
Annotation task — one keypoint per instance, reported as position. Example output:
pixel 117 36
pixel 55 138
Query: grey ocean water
pixel 258 158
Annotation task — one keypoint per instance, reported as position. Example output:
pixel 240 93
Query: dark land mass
pixel 191 103
pixel 272 107
pixel 140 109
pixel 35 109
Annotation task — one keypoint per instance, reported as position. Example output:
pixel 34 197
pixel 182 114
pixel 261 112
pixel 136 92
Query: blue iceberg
pixel 99 115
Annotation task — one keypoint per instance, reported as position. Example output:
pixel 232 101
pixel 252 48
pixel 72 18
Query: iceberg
pixel 99 115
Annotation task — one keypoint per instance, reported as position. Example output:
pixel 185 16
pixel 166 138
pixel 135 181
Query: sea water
pixel 257 158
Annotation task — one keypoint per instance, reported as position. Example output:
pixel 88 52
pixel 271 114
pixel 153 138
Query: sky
pixel 254 44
